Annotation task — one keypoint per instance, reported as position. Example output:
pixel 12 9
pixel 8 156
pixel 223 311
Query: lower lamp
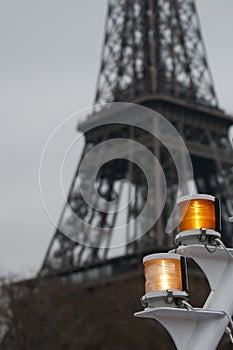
pixel 166 280
pixel 200 220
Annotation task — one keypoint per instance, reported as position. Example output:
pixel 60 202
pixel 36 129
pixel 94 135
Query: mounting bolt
pixel 203 236
pixel 169 298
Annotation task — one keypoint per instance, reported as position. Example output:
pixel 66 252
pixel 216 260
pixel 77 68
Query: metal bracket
pixel 174 319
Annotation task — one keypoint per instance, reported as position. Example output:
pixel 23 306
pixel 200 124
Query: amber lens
pixel 162 274
pixel 196 214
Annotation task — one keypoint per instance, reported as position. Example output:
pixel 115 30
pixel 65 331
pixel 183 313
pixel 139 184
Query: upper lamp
pixel 199 219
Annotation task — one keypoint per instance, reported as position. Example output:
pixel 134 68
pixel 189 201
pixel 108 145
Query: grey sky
pixel 49 61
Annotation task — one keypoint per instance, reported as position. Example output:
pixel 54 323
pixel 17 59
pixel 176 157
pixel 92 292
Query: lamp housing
pixel 166 280
pixel 200 219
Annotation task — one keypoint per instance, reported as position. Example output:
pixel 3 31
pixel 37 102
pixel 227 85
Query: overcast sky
pixel 50 51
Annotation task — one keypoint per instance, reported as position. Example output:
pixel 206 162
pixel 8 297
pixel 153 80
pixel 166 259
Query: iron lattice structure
pixel 153 55
pixel 154 46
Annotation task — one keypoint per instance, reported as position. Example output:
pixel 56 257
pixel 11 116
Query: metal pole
pixel 196 329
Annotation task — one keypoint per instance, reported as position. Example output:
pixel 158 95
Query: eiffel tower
pixel 153 55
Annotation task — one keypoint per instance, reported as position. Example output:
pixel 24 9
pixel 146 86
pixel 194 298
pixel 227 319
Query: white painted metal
pixel 190 197
pixel 214 262
pixel 201 328
pixel 218 267
pixel 164 293
pixel 194 236
pixel 161 256
pixel 180 323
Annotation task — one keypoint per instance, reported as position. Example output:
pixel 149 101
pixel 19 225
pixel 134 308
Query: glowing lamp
pixel 199 219
pixel 166 280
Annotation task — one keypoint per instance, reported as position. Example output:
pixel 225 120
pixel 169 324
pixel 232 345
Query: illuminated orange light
pixel 196 214
pixel 163 274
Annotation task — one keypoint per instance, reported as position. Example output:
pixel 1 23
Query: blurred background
pixel 50 57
